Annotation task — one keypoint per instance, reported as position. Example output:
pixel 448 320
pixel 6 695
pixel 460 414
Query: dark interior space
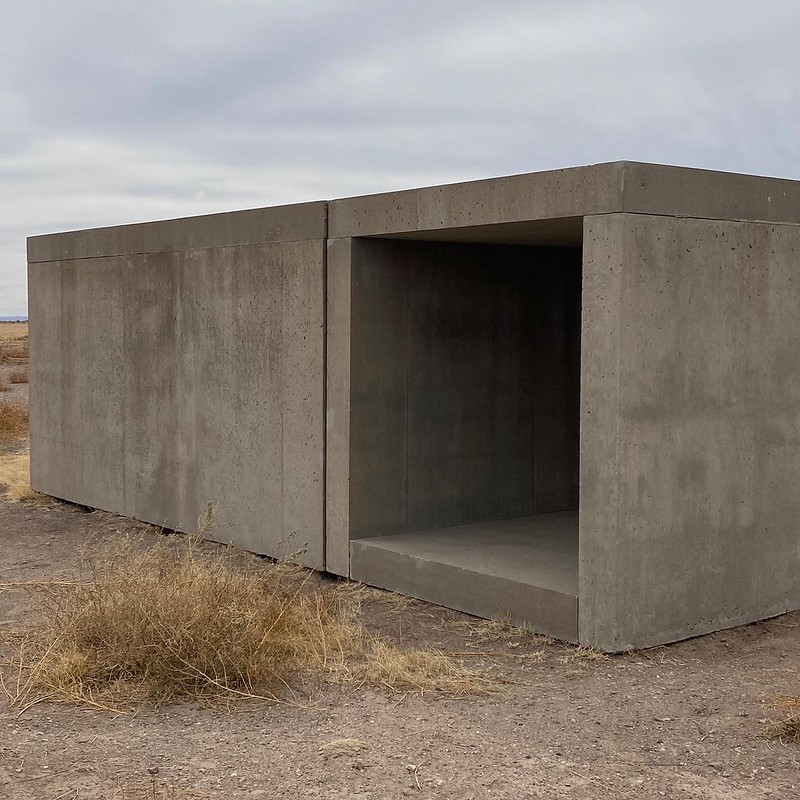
pixel 465 383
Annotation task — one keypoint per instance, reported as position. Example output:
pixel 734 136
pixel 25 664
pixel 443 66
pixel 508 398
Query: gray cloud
pixel 127 111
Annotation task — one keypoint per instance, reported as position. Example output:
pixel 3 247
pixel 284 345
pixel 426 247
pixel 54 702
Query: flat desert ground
pixel 688 720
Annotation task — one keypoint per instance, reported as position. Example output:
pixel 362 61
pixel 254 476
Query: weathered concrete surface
pixel 463 384
pixel 511 209
pixel 164 382
pixel 690 443
pixel 525 569
pixel 290 223
pixel 518 198
pixel 337 400
pixel 706 194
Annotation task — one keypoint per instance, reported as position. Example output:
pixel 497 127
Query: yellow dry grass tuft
pixel 362 593
pixel 13 422
pixel 13 342
pixel 419 670
pixel 501 628
pixel 13 331
pixel 342 747
pixel 788 729
pixel 15 470
pixel 184 620
pixel 579 653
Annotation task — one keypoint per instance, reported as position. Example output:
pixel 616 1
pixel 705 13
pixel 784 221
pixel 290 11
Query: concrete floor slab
pixel 525 567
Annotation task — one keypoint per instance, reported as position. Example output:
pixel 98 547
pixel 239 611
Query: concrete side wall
pixel 464 384
pixel 690 445
pixel 277 224
pixel 161 383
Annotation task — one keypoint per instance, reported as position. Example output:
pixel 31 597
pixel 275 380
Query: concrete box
pixel 569 397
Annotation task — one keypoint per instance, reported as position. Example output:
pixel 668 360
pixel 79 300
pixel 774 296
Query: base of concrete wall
pixel 524 568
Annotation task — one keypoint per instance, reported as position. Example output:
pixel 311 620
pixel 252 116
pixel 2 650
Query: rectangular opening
pixel 465 395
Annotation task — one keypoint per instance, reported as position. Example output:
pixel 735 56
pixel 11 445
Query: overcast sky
pixel 114 111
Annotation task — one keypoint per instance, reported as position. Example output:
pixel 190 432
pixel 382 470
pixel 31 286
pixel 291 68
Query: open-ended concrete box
pixel 571 397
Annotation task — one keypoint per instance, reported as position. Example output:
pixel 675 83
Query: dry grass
pixel 14 352
pixel 18 376
pixel 13 331
pixel 13 422
pixel 13 342
pixel 422 671
pixel 15 470
pixel 580 653
pixel 183 620
pixel 361 593
pixel 501 629
pixel 337 748
pixel 788 729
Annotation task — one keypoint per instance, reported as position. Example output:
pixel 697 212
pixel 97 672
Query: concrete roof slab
pixel 519 198
pixel 622 186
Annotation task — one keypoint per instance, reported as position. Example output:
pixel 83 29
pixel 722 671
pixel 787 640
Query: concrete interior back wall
pixel 465 375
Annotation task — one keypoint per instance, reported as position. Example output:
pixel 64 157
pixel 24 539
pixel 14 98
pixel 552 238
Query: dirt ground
pixel 684 721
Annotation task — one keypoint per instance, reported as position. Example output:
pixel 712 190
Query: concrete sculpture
pixel 571 396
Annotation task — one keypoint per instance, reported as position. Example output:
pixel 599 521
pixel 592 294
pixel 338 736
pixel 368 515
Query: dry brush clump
pixel 18 376
pixel 184 620
pixel 15 469
pixel 14 352
pixel 788 729
pixel 15 464
pixel 14 343
pixel 13 422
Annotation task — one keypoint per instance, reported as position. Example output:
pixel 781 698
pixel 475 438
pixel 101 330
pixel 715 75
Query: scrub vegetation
pixel 185 618
pixel 13 423
pixel 13 350
pixel 13 342
pixel 788 730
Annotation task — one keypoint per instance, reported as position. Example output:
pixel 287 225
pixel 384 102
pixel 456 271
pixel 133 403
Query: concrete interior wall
pixel 464 381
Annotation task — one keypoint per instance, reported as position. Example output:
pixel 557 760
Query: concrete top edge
pixel 612 187
pixel 252 226
pixel 607 188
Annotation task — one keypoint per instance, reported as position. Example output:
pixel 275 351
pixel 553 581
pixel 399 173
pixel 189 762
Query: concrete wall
pixel 186 370
pixel 463 386
pixel 690 444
